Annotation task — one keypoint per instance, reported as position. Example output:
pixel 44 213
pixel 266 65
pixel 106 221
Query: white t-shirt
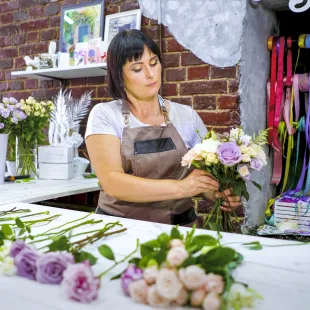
pixel 106 118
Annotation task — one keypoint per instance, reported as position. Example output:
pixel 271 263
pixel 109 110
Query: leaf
pixel 19 223
pixel 152 262
pixel 118 276
pixel 84 256
pixel 28 229
pixel 255 245
pixel 135 261
pixel 21 232
pixel 189 237
pixel 160 256
pixel 6 229
pixel 215 226
pixel 2 236
pixel 163 240
pixel 204 240
pixel 62 244
pixel 106 252
pixel 257 185
pixel 246 195
pixel 145 250
pixel 218 257
pixel 175 234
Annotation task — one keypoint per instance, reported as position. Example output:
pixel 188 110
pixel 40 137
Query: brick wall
pixel 27 26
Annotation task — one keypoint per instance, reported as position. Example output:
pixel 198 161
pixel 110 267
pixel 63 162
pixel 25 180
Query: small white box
pixel 56 171
pixel 55 154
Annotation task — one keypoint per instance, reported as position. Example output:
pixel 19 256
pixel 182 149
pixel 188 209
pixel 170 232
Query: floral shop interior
pixel 154 154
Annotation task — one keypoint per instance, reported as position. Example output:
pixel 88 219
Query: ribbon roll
pixel 301 40
pixel 307 41
pixel 269 43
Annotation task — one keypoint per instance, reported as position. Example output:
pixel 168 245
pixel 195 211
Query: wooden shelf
pixel 64 73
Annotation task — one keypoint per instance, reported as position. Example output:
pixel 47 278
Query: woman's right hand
pixel 198 182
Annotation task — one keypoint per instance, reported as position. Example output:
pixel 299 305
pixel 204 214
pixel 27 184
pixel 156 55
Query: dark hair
pixel 126 45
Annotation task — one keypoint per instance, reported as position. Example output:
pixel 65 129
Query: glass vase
pixel 26 157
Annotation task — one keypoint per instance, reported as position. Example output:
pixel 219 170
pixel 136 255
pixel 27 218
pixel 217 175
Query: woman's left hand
pixel 231 202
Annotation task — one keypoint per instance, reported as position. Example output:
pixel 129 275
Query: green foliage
pixel 106 252
pixel 84 256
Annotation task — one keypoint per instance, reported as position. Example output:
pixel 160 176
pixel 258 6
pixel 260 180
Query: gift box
pixel 55 154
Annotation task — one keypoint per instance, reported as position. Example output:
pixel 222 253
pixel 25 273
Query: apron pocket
pixel 154 146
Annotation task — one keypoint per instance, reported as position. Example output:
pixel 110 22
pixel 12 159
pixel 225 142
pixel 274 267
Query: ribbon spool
pixel 302 41
pixel 307 41
pixel 269 43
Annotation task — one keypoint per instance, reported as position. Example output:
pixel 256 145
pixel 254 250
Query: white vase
pixel 3 151
pixel 11 167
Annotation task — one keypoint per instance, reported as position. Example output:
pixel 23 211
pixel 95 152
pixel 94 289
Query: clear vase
pixel 26 158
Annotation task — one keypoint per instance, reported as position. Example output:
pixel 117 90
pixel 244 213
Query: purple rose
pixel 1 125
pixel 6 100
pixel 17 246
pixel 25 262
pixel 132 273
pixel 19 115
pixel 256 164
pixel 13 100
pixel 4 113
pixel 79 282
pixel 229 154
pixel 50 267
pixel 10 107
pixel 14 120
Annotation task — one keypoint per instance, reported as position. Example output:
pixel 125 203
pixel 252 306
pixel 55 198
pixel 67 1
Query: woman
pixel 136 142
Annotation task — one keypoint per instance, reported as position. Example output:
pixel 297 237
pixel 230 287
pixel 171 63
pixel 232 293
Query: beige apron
pixel 152 152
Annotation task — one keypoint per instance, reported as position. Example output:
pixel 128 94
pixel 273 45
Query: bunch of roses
pixel 171 285
pixel 234 149
pixel 77 279
pixel 36 108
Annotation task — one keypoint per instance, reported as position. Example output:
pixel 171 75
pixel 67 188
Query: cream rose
pixel 244 149
pixel 168 284
pixel 211 157
pixel 154 299
pixel 150 274
pixel 197 297
pixel 246 158
pixel 176 243
pixel 214 283
pixel 176 256
pixel 193 277
pixel 182 298
pixel 212 302
pixel 244 171
pixel 138 291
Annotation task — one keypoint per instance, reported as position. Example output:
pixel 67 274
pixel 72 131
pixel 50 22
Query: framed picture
pixel 118 22
pixel 80 23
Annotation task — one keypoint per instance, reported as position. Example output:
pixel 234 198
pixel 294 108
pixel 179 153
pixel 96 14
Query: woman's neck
pixel 144 107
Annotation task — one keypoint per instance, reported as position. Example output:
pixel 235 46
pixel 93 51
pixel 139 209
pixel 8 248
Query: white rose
pixel 212 302
pixel 193 277
pixel 7 267
pixel 36 113
pixel 138 291
pixel 246 139
pixel 246 158
pixel 211 145
pixel 168 284
pixel 150 274
pixel 197 297
pixel 23 107
pixel 215 283
pixel 244 149
pixel 244 171
pixel 176 243
pixel 211 157
pixel 156 300
pixel 176 256
pixel 182 298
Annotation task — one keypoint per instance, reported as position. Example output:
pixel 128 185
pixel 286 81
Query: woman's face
pixel 142 78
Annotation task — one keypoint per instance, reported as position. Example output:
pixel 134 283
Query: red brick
pixel 221 130
pixel 6 18
pixel 68 2
pixel 5 41
pixel 197 73
pixel 19 62
pixel 16 85
pixel 24 4
pixel 54 21
pixel 154 22
pixel 2 75
pixel 9 30
pixel 204 102
pixel 165 32
pixel 188 59
pixel 113 1
pixel 47 35
pixel 96 80
pixel 36 48
pixel 223 73
pixel 34 25
pixel 8 53
pixel 216 118
pixel 30 84
pixel 8 6
pixel 128 5
pixel 18 95
pixel 79 91
pixel 170 60
pixel 4 86
pixel 169 89
pixel 206 87
pixel 32 37
pixel 102 91
pixel 145 21
pixel 227 102
pixel 152 32
pixel 182 100
pixel 176 75
pixel 233 86
pixel 78 82
pixel 235 118
pixel 18 39
pixel 20 15
pixel 45 94
pixel 52 9
pixel 45 83
pixel 172 45
pixel 36 12
pixel 111 9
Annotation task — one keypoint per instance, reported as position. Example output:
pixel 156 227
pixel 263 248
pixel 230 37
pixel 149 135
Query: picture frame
pixel 80 23
pixel 115 23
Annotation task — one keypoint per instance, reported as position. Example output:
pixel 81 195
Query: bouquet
pixel 177 270
pixel 230 158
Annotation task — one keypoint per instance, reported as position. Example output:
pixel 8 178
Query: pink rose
pixel 138 291
pixel 176 243
pixel 214 283
pixel 156 300
pixel 193 277
pixel 182 298
pixel 150 274
pixel 176 256
pixel 212 302
pixel 79 282
pixel 188 158
pixel 168 284
pixel 197 297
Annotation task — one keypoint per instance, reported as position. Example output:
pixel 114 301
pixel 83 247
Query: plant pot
pixel 3 151
pixel 11 167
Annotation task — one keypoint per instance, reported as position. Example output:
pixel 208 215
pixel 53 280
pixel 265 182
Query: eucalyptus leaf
pixel 84 256
pixel 106 252
pixel 6 229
